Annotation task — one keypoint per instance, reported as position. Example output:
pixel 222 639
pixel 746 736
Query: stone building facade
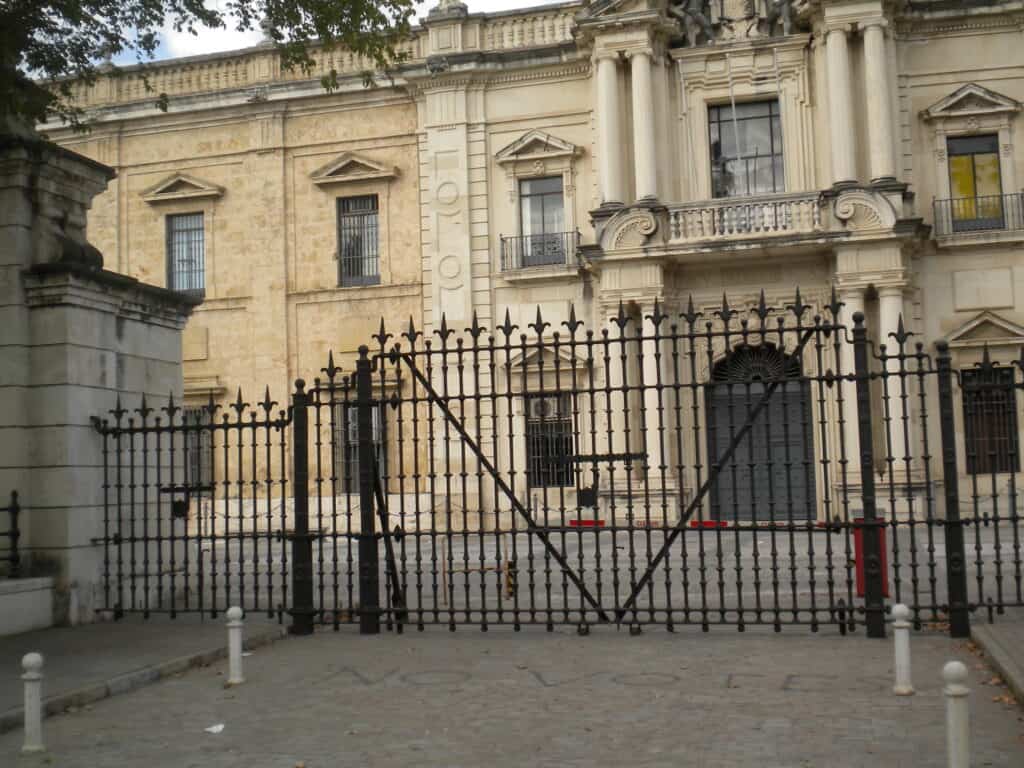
pixel 582 156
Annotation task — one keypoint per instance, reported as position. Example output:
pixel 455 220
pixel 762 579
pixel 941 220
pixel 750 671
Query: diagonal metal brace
pixel 503 486
pixel 713 473
pixel 397 596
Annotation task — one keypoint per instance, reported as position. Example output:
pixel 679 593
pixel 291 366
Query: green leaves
pixel 50 48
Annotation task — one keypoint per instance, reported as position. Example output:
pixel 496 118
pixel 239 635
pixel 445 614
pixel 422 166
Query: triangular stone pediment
pixel 180 187
pixel 535 145
pixel 987 328
pixel 532 358
pixel 349 166
pixel 971 100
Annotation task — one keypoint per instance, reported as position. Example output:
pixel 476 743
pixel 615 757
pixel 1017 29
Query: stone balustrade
pixel 747 217
pixel 527 31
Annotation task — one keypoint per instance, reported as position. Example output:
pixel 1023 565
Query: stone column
pixel 655 415
pixel 853 302
pixel 644 141
pixel 609 128
pixel 840 106
pixel 879 100
pixel 890 317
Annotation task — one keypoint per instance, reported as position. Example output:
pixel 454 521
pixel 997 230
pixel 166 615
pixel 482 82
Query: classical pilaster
pixel 840 105
pixel 879 100
pixel 609 128
pixel 890 317
pixel 644 141
pixel 853 302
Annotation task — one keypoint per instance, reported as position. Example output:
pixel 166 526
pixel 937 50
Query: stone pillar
pixel 840 106
pixel 853 302
pixel 879 100
pixel 609 129
pixel 77 337
pixel 890 317
pixel 654 416
pixel 644 141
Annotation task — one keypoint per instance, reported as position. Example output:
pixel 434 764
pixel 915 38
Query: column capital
pixel 873 21
pixel 648 52
pixel 891 290
pixel 607 55
pixel 846 27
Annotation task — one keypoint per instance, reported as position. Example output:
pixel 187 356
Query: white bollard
pixel 32 663
pixel 957 734
pixel 901 639
pixel 235 625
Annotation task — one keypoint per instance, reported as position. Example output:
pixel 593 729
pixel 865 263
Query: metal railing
pixel 984 213
pixel 9 554
pixel 735 217
pixel 548 249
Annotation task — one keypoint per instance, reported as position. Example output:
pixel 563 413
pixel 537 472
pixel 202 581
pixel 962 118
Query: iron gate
pixel 563 475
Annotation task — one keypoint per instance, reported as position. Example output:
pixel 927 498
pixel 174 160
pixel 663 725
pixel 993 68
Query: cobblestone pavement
pixel 538 699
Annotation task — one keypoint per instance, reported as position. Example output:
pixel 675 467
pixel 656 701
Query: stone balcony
pixel 732 219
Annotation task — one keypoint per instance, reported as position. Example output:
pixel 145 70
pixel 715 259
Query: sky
pixel 175 44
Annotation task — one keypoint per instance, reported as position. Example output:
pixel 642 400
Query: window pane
pixel 540 186
pixel 970 145
pixel 986 175
pixel 549 440
pixel 755 166
pixel 991 434
pixel 553 205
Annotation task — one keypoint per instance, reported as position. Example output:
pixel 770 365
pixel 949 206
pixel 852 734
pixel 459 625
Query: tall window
pixel 198 449
pixel 974 183
pixel 345 433
pixel 990 420
pixel 358 243
pixel 186 261
pixel 746 149
pixel 542 214
pixel 549 440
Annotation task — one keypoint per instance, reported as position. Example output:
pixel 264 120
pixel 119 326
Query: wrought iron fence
pixel 9 554
pixel 709 465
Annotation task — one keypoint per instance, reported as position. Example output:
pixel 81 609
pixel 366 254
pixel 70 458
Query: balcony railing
pixel 988 213
pixel 549 249
pixel 747 217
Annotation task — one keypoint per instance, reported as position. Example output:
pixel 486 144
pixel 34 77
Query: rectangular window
pixel 358 242
pixel 186 256
pixel 345 437
pixel 198 450
pixel 746 149
pixel 974 183
pixel 990 420
pixel 542 216
pixel 549 440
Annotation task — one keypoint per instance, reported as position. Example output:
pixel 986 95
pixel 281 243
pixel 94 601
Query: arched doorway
pixel 771 474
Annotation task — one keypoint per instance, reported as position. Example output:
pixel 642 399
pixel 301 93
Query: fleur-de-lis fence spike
pixel 901 334
pixel 572 324
pixel 143 410
pixel 117 411
pixel 657 316
pixel 726 313
pixel 621 318
pixel 239 405
pixel 475 329
pixel 762 310
pixel 539 324
pixel 171 408
pixel 835 306
pixel 508 327
pixel 691 315
pixel 382 336
pixel 331 370
pixel 267 405
pixel 443 331
pixel 798 307
pixel 411 334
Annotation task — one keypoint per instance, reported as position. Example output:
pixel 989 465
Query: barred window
pixel 198 449
pixel 990 420
pixel 549 440
pixel 358 244
pixel 345 438
pixel 186 255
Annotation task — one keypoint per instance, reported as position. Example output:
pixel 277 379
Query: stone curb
pixel 12 719
pixel 1002 657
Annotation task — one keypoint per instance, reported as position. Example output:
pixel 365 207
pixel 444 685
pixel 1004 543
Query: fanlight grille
pixel 762 362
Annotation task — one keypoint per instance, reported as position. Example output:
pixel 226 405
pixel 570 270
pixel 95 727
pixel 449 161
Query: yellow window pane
pixel 986 174
pixel 961 186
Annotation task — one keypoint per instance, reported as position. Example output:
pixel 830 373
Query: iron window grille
pixel 990 420
pixel 198 449
pixel 746 149
pixel 345 439
pixel 550 440
pixel 358 241
pixel 186 254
